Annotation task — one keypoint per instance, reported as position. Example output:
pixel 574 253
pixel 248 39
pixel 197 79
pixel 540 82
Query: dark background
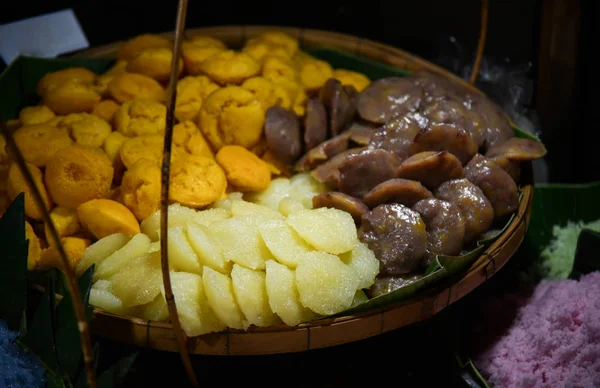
pixel 542 46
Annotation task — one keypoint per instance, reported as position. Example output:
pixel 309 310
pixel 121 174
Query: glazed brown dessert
pixel 424 166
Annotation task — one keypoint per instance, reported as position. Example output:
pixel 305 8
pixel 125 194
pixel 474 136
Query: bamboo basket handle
pixel 481 42
pixel 164 195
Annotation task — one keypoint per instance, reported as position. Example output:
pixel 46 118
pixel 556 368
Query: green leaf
pixel 586 254
pixel 13 264
pixel 40 337
pixel 67 330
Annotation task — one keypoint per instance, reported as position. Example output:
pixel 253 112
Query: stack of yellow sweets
pixel 94 143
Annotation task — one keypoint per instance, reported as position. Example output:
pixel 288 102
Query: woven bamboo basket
pixel 334 331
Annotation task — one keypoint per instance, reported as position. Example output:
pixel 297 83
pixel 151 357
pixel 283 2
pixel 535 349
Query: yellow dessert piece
pixel 112 147
pixel 103 80
pixel 243 169
pixel 146 147
pixel 271 43
pixel 188 137
pixel 74 248
pixel 140 188
pixel 65 221
pixel 231 115
pixel 3 151
pixel 17 184
pixel 191 93
pixel 72 74
pixel 35 115
pixel 276 69
pixel 86 129
pixel 268 92
pixel 129 86
pixel 141 117
pixel 71 97
pixel 106 110
pixel 230 67
pixel 154 63
pixel 196 181
pixel 132 47
pixel 103 217
pixel 352 78
pixel 38 143
pixel 314 74
pixel 78 174
pixel 196 51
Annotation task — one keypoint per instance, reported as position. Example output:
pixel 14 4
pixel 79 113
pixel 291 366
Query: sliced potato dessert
pixel 243 208
pixel 139 281
pixel 181 254
pixel 136 247
pixel 195 313
pixel 100 250
pixel 283 295
pixel 325 284
pixel 207 248
pixel 272 195
pixel 208 216
pixel 178 215
pixel 219 292
pixel 326 229
pixel 283 242
pixel 106 301
pixel 251 294
pixel 364 263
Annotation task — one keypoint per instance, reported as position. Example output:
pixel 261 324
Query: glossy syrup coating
pixel 451 111
pixel 445 137
pixel 339 104
pixel 496 184
pixel 476 209
pixel 397 134
pixel 323 152
pixel 445 227
pixel 385 285
pixel 403 191
pixel 341 201
pixel 518 149
pixel 389 97
pixel 431 168
pixel 496 127
pixel 282 131
pixel 361 172
pixel 329 172
pixel 315 123
pixel 398 237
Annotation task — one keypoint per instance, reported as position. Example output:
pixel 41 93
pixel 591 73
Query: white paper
pixel 44 36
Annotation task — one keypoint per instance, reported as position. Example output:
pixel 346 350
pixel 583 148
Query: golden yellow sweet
pixel 3 178
pixel 188 137
pixel 54 122
pixel 65 221
pixel 72 74
pixel 196 181
pixel 86 129
pixel 106 110
pixel 314 74
pixel 191 93
pixel 103 217
pixel 194 53
pixel 71 97
pixel 38 143
pixel 352 78
pixel 141 117
pixel 279 70
pixel 112 147
pixel 132 47
pixel 74 248
pixel 277 167
pixel 140 189
pixel 205 40
pixel 35 115
pixel 230 67
pixel 34 249
pixel 268 92
pixel 104 79
pixel 130 86
pixel 231 115
pixel 243 169
pixel 17 184
pixel 154 63
pixel 272 43
pixel 144 147
pixel 78 174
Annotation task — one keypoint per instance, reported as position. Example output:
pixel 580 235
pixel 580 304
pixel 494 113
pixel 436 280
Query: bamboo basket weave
pixel 333 331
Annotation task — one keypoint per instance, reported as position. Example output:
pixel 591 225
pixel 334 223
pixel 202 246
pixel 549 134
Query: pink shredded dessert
pixel 554 339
